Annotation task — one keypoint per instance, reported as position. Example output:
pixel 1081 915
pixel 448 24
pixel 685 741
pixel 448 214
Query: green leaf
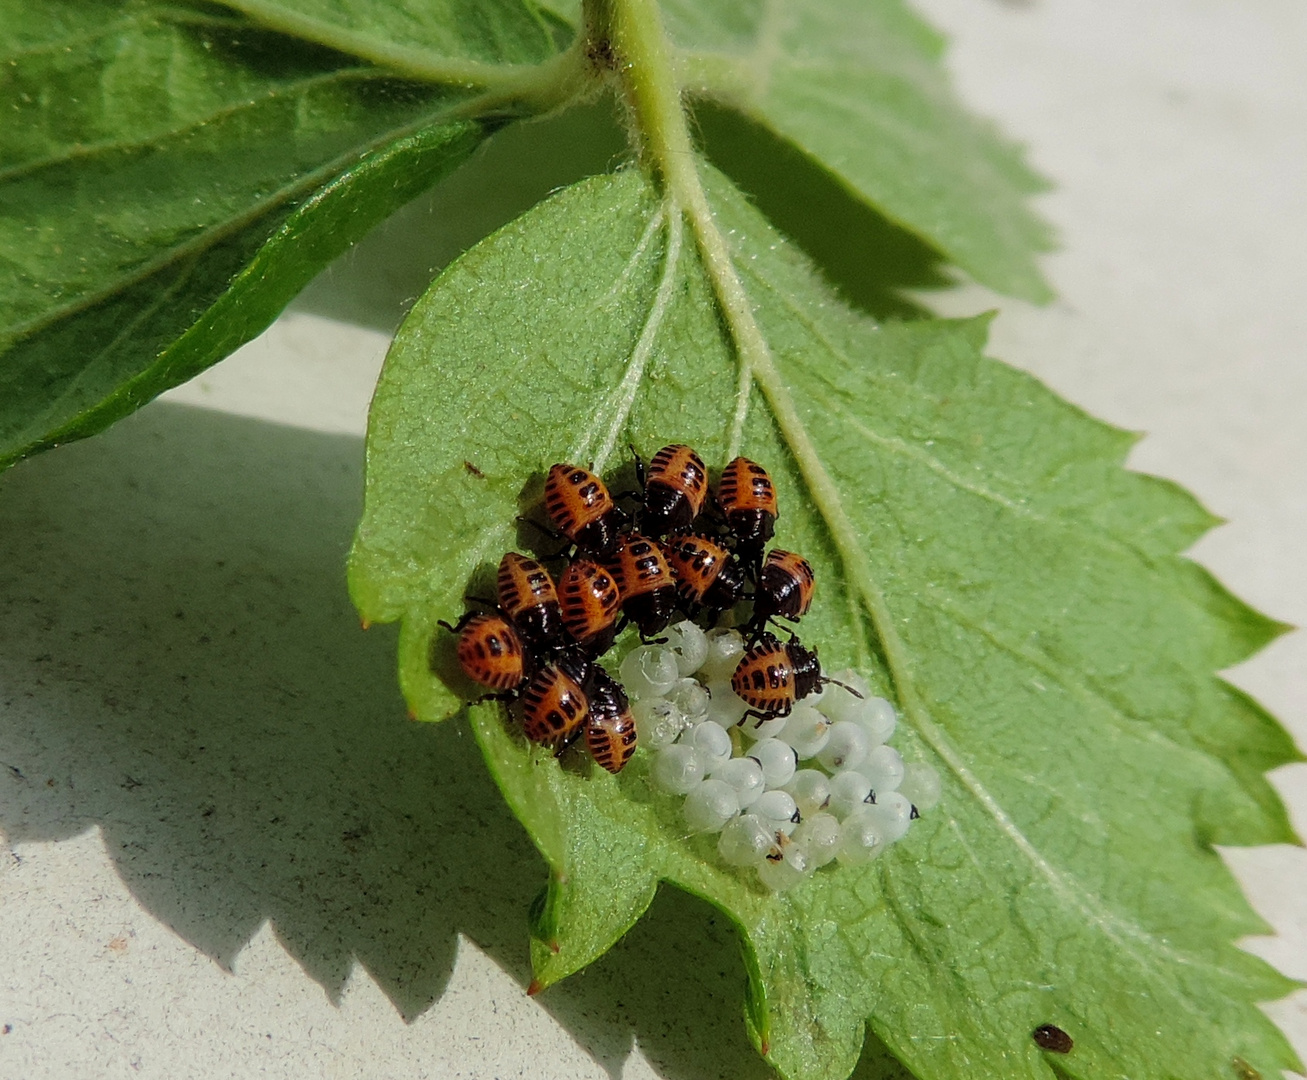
pixel 171 175
pixel 858 86
pixel 1052 655
pixel 413 37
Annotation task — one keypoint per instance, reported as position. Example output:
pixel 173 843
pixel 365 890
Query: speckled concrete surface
pixel 229 855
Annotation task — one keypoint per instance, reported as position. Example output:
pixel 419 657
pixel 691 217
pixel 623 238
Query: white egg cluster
pixel 851 800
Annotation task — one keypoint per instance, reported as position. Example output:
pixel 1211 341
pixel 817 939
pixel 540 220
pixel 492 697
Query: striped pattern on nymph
pixel 553 705
pixel 674 490
pixel 610 733
pixel 490 652
pixel 528 597
pixel 590 603
pixel 579 504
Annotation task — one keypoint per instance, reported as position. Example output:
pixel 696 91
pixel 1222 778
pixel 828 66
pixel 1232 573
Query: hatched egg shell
pixel 777 809
pixel 657 722
pixel 820 837
pixel 649 671
pixel 846 748
pixel 877 715
pixel 725 649
pixel 711 741
pixel 811 790
pixel 849 791
pixel 861 839
pixel 892 815
pixel 724 706
pixel 688 644
pixel 745 776
pixel 690 696
pixel 837 702
pixel 883 767
pixel 806 729
pixel 709 806
pixel 677 769
pixel 777 759
pixel 757 728
pixel 781 874
pixel 745 841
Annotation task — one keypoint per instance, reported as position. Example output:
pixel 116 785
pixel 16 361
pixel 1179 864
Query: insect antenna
pixel 836 682
pixel 466 618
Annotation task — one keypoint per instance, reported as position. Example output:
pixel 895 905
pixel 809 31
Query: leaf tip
pixel 535 988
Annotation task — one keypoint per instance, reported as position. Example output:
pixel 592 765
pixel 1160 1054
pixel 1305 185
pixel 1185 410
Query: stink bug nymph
pixel 590 603
pixel 748 500
pixel 772 676
pixel 645 582
pixel 527 596
pixel 785 588
pixel 675 487
pixel 610 731
pixel 578 503
pixel 490 651
pixel 707 575
pixel 554 705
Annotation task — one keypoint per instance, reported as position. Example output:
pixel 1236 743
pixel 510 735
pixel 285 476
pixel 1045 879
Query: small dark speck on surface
pixel 1051 1037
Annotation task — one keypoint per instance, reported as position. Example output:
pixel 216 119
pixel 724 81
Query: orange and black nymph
pixel 555 706
pixel 528 597
pixel 645 582
pixel 579 504
pixel 590 603
pixel 675 487
pixel 707 574
pixel 748 500
pixel 785 588
pixel 490 651
pixel 773 675
pixel 610 734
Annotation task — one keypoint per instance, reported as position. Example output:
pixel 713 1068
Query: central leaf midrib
pixel 896 654
pixel 1089 527
pixel 670 145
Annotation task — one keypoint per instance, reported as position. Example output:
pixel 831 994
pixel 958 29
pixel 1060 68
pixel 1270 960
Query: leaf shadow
pixel 864 255
pixel 183 670
pixel 203 692
pixel 376 282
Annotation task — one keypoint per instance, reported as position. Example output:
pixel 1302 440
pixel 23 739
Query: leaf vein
pixel 214 234
pixel 84 152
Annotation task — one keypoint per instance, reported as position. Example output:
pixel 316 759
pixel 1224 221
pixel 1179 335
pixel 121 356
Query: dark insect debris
pixel 1051 1037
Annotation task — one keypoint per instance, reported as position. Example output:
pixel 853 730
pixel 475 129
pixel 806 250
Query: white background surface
pixel 229 853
